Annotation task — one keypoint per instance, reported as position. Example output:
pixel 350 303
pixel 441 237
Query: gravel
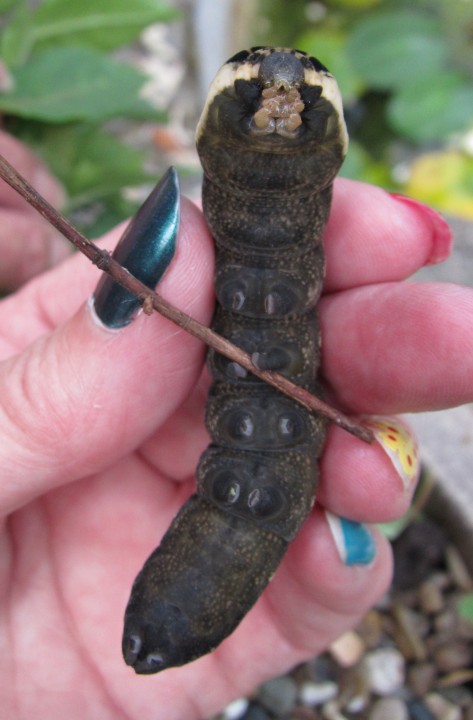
pixel 410 658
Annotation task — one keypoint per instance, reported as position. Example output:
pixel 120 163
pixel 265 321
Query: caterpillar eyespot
pixel 271 140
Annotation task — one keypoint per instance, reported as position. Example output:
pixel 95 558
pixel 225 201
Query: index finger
pixel 33 169
pixel 374 237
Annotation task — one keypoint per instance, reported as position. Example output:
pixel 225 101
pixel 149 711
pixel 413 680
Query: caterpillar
pixel 271 139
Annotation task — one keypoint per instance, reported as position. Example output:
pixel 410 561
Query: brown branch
pixel 151 300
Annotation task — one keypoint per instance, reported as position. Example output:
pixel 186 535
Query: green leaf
pixel 392 530
pixel 91 163
pixel 432 112
pixel 395 49
pixel 465 607
pixel 66 84
pixel 17 39
pixel 358 165
pixel 328 46
pixel 443 179
pixel 114 212
pixel 102 25
pixel 356 4
pixel 7 5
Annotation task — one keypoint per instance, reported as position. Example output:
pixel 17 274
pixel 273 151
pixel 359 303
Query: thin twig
pixel 150 299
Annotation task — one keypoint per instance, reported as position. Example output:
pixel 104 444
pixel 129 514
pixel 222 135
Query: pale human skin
pixel 100 433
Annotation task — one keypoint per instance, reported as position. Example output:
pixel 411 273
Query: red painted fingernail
pixel 442 238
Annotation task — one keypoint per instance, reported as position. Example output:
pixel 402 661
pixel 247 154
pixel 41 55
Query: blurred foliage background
pixel 406 73
pixel 64 82
pixel 72 73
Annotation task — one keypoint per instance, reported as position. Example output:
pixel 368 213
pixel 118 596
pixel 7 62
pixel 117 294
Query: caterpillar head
pixel 268 107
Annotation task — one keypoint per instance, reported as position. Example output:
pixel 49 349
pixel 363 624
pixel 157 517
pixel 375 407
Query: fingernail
pixel 353 540
pixel 146 249
pixel 442 238
pixel 400 446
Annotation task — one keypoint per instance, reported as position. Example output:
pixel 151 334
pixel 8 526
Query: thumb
pixel 79 397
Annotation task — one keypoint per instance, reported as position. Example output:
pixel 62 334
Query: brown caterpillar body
pixel 271 140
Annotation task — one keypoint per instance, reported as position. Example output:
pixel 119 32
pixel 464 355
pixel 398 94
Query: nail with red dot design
pixel 400 446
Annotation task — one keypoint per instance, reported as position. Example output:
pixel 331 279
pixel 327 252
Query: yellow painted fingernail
pixel 399 444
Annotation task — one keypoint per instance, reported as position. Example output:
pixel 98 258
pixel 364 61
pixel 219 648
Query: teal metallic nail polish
pixel 354 541
pixel 146 249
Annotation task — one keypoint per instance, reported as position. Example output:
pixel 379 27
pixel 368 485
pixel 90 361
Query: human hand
pixel 28 244
pixel 101 431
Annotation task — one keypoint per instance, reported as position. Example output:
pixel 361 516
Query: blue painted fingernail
pixel 146 249
pixel 354 541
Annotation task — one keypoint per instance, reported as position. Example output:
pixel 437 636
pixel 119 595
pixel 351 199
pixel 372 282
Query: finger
pixel 28 244
pixel 370 483
pixel 174 450
pixel 81 397
pixel 374 237
pixel 315 596
pixel 33 169
pixel 399 347
pixel 50 300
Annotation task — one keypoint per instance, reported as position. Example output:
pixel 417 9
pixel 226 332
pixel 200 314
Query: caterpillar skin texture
pixel 271 140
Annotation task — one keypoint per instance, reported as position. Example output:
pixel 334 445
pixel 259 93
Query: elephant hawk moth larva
pixel 271 139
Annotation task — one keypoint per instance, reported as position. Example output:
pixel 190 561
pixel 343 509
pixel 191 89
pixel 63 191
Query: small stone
pixel 389 709
pixel 278 695
pixel 322 667
pixel 313 694
pixel 256 712
pixel 302 713
pixel 384 602
pixel 453 655
pixel 457 677
pixel 301 673
pixel 348 649
pixel 354 692
pixel 421 678
pixel 458 695
pixel 441 709
pixel 408 633
pixel 442 580
pixel 236 709
pixel 370 629
pixel 446 622
pixel 384 670
pixel 418 551
pixel 408 598
pixel 418 710
pixel 465 629
pixel 457 569
pixel 431 597
pixel 357 704
pixel 331 711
